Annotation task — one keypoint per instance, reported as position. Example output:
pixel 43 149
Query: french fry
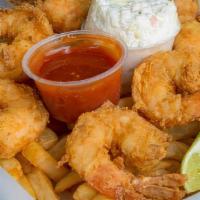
pixel 101 197
pixel 24 182
pixel 126 102
pixel 171 165
pixel 13 167
pixel 184 131
pixel 48 139
pixel 41 159
pixel 67 182
pixel 174 166
pixel 58 150
pixel 27 167
pixel 42 185
pixel 84 192
pixel 176 150
pixel 165 167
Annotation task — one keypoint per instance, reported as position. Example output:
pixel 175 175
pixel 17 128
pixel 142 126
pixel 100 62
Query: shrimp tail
pixel 161 187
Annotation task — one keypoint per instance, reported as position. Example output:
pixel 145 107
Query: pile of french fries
pixel 36 170
pixel 36 167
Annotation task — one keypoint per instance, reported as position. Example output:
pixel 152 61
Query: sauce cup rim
pixel 37 78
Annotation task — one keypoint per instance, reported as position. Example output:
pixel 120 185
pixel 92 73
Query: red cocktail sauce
pixel 76 64
pixel 82 58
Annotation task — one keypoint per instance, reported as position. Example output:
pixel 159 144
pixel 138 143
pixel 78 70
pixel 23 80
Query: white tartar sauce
pixel 139 23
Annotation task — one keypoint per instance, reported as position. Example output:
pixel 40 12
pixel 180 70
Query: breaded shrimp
pixel 94 136
pixel 187 9
pixel 166 87
pixel 20 28
pixel 65 15
pixel 189 37
pixel 22 117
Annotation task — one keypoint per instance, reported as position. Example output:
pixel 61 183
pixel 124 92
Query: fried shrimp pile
pixel 22 118
pixel 187 9
pixel 189 37
pixel 20 28
pixel 166 88
pixel 97 133
pixel 65 15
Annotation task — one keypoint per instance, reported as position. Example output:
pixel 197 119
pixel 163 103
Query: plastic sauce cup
pixel 67 100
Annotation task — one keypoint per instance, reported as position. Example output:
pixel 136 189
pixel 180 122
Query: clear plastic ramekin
pixel 67 100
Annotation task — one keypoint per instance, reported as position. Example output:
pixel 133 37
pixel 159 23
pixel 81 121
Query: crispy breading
pixel 187 9
pixel 20 28
pixel 22 117
pixel 65 15
pixel 166 87
pixel 189 38
pixel 95 134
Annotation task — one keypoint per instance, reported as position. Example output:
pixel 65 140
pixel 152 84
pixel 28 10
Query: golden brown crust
pixel 189 37
pixel 65 15
pixel 187 9
pixel 166 90
pixel 23 26
pixel 22 117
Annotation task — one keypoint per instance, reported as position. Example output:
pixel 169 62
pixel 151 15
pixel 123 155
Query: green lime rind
pixel 191 167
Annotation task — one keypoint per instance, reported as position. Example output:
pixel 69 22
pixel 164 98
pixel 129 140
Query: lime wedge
pixel 191 167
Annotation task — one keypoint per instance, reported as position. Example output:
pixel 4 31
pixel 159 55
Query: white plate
pixel 10 189
pixel 194 197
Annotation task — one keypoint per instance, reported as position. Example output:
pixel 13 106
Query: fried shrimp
pixel 22 118
pixel 187 9
pixel 166 88
pixel 94 136
pixel 189 37
pixel 65 15
pixel 20 28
